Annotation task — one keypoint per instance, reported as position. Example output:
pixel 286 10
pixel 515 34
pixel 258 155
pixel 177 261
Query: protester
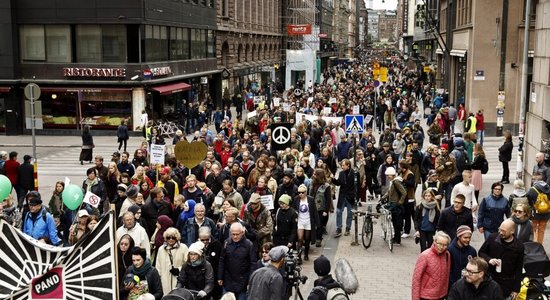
pixel 267 282
pixel 540 218
pixel 426 217
pixel 476 283
pixel 461 252
pixel 524 228
pixel 38 223
pixel 124 254
pixel 148 283
pixel 138 233
pixel 171 256
pixel 492 210
pixel 454 216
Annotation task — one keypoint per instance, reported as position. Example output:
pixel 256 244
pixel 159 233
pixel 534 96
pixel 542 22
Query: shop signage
pixel 299 29
pixel 204 80
pixel 94 72
pixel 322 35
pixel 161 71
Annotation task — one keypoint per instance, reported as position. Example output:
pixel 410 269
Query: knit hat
pixel 165 170
pixel 444 146
pixel 390 171
pixel 197 247
pixel 321 266
pixel 134 209
pixel 463 229
pixel 34 198
pixel 132 191
pixel 285 199
pixel 121 187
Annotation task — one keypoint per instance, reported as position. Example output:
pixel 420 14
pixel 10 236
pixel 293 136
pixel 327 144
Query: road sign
pixel 354 123
pixel 427 69
pixel 32 91
pixel 280 136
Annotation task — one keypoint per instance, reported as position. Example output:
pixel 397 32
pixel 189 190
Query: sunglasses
pixel 301 192
pixel 518 211
pixel 265 251
pixel 204 240
pixel 171 238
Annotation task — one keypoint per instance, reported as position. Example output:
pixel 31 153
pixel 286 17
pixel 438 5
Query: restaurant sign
pixel 95 72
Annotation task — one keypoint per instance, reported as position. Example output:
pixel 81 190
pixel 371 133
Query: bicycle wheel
pixel 390 232
pixel 366 235
pixel 383 226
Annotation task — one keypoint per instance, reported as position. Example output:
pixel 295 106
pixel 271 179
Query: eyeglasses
pixel 469 272
pixel 204 240
pixel 518 211
pixel 444 245
pixel 171 238
pixel 497 189
pixel 265 251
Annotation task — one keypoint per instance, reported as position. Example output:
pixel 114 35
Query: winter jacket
pixel 168 258
pixel 505 151
pixel 446 173
pixel 524 229
pixel 422 221
pixel 262 223
pixel 396 193
pixel 532 195
pixel 346 181
pixel 327 282
pixel 450 220
pixel 138 234
pixel 41 225
pixel 153 282
pixel 488 289
pixel 431 275
pixel 151 210
pixel 233 195
pixel 25 175
pixel 511 255
pixel 266 283
pixel 189 234
pixel 122 132
pixel 342 150
pixel 492 212
pixel 197 278
pixel 285 226
pixel 237 261
pixel 459 259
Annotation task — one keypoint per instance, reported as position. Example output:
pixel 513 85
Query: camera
pixel 292 274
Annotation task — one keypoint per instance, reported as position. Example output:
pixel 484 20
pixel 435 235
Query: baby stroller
pixel 181 294
pixel 536 266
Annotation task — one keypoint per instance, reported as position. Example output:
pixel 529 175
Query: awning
pixel 5 89
pixel 456 52
pixel 84 89
pixel 172 88
pixel 439 51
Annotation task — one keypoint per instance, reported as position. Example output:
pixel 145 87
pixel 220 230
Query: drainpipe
pixel 523 92
pixel 502 73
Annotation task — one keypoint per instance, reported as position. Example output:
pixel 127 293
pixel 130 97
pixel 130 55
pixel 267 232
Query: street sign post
pixel 32 92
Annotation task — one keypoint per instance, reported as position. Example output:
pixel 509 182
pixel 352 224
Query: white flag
pixel 67 181
pixel 92 199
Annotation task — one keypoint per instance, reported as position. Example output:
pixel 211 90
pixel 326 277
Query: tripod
pixel 296 286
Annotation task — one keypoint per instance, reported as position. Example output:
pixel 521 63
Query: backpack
pixel 484 166
pixel 336 293
pixel 542 205
pixel 463 162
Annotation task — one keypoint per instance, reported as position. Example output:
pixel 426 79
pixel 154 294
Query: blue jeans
pixel 486 234
pixel 238 296
pixel 339 212
pixel 479 135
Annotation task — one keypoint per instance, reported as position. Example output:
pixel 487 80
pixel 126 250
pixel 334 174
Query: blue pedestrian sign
pixel 354 123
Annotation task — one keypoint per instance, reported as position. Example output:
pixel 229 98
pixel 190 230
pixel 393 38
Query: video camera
pixel 293 269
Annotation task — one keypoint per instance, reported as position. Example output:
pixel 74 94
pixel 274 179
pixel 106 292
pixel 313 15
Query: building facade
pixel 387 26
pixel 248 44
pixel 99 63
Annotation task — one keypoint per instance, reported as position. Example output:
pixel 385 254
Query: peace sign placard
pixel 280 136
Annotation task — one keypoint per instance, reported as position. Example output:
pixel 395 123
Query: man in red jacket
pixel 11 166
pixel 480 126
pixel 431 273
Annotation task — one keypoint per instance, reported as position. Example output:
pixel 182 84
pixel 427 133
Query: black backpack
pixel 484 166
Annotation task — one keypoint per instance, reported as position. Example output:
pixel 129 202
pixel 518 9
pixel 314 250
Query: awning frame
pixel 172 88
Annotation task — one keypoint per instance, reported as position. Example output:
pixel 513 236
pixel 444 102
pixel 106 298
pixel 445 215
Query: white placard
pixel 286 106
pixel 251 114
pixel 356 109
pixel 332 100
pixel 276 102
pixel 310 99
pixel 267 201
pixel 327 110
pixel 367 119
pixel 312 118
pixel 257 99
pixel 157 154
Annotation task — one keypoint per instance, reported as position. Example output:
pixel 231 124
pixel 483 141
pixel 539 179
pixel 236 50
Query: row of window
pixel 113 43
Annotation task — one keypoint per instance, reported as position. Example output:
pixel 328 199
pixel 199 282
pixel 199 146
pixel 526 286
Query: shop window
pixel 58 41
pixel 32 43
pixel 156 43
pixel 114 43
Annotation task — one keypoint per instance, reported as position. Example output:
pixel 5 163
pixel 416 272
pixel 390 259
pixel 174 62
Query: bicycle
pixel 367 228
pixel 387 225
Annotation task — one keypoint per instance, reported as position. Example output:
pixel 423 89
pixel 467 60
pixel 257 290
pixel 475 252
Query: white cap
pixel 390 171
pixel 83 213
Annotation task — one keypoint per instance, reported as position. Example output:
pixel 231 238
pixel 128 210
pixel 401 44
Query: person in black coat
pixel 455 215
pixel 25 176
pixel 147 274
pixel 86 153
pixel 154 207
pixel 476 284
pixel 346 196
pixel 212 252
pixel 124 253
pixel 505 156
pixel 285 223
pixel 122 135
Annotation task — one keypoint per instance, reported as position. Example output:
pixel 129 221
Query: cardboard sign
pixel 276 102
pixel 251 114
pixel 327 110
pixel 356 109
pixel 157 154
pixel 332 100
pixel 267 201
pixel 190 154
pixel 286 106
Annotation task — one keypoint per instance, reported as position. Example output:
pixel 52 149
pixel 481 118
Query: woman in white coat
pixel 171 256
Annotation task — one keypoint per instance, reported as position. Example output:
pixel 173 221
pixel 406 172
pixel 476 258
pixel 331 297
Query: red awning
pixel 5 89
pixel 172 88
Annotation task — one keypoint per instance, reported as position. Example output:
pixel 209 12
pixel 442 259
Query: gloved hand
pixel 201 294
pixel 175 271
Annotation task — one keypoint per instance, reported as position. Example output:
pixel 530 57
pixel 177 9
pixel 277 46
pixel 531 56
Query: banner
pixel 312 118
pixel 301 29
pixel 34 270
pixel 92 199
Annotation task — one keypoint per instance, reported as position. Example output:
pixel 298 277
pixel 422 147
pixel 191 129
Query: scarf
pixel 90 183
pixel 143 270
pixel 430 206
pixel 197 262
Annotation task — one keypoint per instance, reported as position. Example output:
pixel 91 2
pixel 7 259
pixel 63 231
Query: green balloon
pixel 5 187
pixel 72 196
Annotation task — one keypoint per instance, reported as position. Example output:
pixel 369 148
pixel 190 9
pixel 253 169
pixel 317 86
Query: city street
pixel 382 275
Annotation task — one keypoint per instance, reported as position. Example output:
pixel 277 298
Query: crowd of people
pixel 212 227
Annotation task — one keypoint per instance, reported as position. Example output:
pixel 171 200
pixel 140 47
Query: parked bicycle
pixel 387 225
pixel 367 230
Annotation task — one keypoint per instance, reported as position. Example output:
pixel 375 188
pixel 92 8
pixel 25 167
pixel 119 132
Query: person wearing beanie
pixel 38 222
pixel 321 266
pixel 148 285
pixel 286 218
pixel 131 194
pixel 460 251
pixel 197 273
pixel 267 282
pixel 445 165
pixel 395 196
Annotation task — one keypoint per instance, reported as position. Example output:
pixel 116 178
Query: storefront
pixel 3 95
